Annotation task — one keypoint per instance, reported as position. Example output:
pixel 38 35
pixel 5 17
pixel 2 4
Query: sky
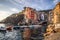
pixel 8 7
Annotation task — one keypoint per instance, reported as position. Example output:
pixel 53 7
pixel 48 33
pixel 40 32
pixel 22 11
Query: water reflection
pixel 16 33
pixel 13 35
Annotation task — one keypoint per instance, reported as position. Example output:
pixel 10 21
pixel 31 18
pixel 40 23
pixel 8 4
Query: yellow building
pixel 56 12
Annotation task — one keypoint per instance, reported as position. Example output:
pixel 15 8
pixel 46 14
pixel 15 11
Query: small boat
pixel 2 29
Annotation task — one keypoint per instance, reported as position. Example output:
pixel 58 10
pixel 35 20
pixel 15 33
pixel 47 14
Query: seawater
pixel 14 35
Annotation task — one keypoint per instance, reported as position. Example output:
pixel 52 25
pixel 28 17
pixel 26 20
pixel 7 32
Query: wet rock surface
pixel 13 35
pixel 53 36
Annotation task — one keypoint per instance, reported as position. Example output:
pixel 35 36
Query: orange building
pixel 30 14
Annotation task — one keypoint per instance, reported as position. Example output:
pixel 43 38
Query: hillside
pixel 14 18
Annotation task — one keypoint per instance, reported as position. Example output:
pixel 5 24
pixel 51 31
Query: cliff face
pixel 53 36
pixel 56 15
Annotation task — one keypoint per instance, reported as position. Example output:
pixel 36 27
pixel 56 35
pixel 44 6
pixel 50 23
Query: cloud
pixel 4 14
pixel 55 1
pixel 27 3
pixel 37 4
pixel 14 10
pixel 5 11
pixel 16 2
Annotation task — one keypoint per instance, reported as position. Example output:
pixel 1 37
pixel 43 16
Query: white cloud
pixel 15 2
pixel 5 11
pixel 55 1
pixel 14 10
pixel 37 4
pixel 4 14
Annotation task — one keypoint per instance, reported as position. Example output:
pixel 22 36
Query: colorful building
pixel 44 15
pixel 30 14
